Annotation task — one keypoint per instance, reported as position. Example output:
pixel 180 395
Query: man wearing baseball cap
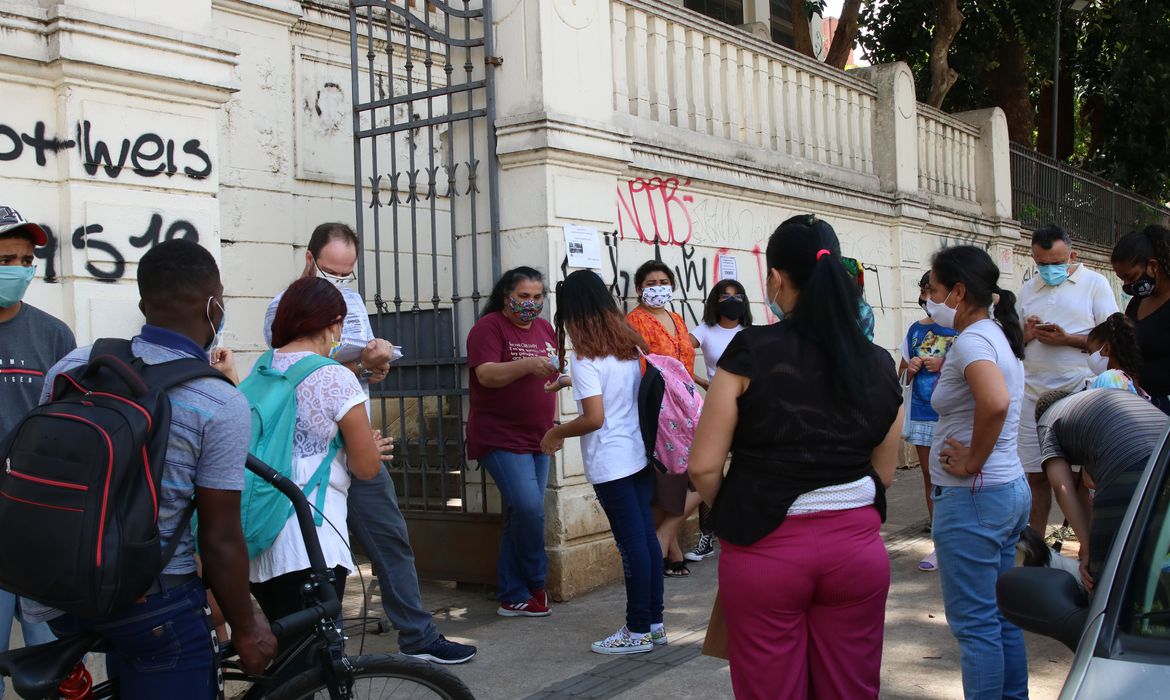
pixel 31 341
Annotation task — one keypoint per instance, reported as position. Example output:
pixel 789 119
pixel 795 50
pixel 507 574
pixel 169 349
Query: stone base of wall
pixel 588 561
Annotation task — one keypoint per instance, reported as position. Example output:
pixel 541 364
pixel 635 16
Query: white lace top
pixel 323 399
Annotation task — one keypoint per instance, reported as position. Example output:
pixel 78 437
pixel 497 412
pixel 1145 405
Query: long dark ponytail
pixel 808 251
pixel 506 284
pixel 1118 331
pixel 974 268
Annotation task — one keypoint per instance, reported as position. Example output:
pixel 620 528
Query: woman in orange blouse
pixel 666 333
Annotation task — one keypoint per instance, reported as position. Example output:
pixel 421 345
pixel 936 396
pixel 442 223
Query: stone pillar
pixel 557 143
pixel 993 168
pixel 757 19
pixel 111 142
pixel 895 127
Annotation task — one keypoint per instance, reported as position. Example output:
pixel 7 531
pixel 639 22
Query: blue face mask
pixel 14 281
pixel 1053 274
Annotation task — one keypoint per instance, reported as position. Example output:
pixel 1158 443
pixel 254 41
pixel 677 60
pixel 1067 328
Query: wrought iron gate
pixel 427 210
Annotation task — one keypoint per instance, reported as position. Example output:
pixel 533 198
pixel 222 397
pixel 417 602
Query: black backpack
pixel 80 487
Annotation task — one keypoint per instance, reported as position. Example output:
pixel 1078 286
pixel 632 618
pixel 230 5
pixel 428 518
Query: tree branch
pixel 845 35
pixel 947 21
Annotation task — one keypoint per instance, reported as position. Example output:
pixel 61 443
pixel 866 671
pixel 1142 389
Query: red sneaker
pixel 540 595
pixel 529 608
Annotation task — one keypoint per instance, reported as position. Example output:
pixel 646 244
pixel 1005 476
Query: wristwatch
pixel 363 373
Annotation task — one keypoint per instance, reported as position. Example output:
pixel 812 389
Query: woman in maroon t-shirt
pixel 511 352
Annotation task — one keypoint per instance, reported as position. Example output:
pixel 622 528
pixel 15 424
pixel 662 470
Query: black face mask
pixel 732 308
pixel 1143 287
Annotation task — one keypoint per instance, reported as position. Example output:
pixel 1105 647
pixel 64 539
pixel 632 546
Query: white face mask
pixel 1098 363
pixel 941 314
pixel 345 281
pixel 657 297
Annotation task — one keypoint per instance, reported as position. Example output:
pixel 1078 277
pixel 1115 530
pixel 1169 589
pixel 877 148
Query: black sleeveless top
pixel 795 434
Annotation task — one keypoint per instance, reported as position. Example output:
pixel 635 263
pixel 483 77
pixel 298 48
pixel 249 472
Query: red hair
pixel 308 306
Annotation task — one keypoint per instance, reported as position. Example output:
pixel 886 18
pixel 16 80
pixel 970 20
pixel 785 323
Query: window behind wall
pixel 782 22
pixel 729 11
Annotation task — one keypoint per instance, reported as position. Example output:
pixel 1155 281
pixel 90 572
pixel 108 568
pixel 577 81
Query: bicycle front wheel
pixel 380 677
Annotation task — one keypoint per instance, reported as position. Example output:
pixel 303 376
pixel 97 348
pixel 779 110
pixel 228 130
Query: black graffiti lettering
pixel 193 148
pixel 171 170
pixel 48 253
pixel 99 154
pixel 17 145
pixel 83 239
pixel 41 143
pixel 139 154
pixel 877 283
pixel 154 235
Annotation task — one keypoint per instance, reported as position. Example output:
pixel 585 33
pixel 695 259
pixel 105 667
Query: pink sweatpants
pixel 805 608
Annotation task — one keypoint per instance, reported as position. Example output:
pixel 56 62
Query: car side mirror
pixel 1045 601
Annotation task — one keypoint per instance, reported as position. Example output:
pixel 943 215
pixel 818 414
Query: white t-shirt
pixel 323 398
pixel 1078 304
pixel 952 399
pixel 713 340
pixel 615 450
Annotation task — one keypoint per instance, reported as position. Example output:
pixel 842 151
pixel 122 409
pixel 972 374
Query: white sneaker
pixel 621 642
pixel 658 636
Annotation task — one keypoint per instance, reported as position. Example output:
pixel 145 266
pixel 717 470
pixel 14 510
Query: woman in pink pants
pixel 809 410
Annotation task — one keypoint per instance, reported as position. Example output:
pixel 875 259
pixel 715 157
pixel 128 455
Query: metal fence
pixel 1048 191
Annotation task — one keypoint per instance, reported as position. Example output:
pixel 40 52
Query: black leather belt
pixel 165 582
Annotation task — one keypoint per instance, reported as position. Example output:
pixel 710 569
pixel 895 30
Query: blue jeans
pixel 626 503
pixel 162 647
pixel 523 563
pixel 975 535
pixel 33 632
pixel 378 526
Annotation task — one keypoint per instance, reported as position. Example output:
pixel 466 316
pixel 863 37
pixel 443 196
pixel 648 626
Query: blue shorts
pixel 920 433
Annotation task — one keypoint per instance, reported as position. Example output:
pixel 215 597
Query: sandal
pixel 930 563
pixel 675 569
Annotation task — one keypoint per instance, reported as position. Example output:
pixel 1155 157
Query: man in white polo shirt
pixel 1059 306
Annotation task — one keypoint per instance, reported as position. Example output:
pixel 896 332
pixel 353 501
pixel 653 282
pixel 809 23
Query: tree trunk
pixel 845 35
pixel 801 37
pixel 1013 93
pixel 947 20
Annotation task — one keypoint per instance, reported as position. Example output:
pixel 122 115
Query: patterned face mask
pixel 525 310
pixel 657 297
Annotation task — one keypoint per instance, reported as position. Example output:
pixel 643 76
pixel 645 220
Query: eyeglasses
pixel 725 297
pixel 335 279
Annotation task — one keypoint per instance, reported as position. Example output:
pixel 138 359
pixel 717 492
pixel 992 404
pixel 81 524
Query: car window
pixel 1147 597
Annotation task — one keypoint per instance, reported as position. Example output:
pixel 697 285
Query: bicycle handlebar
pixel 328 605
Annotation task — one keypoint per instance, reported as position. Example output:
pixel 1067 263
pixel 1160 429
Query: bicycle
pixel 37 672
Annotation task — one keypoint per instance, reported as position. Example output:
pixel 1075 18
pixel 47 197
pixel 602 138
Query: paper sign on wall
pixel 728 267
pixel 583 246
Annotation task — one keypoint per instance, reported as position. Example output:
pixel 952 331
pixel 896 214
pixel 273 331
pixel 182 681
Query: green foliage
pixel 1117 51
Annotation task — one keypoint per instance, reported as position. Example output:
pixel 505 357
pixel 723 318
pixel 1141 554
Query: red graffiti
pixel 761 269
pixel 656 210
pixel 715 268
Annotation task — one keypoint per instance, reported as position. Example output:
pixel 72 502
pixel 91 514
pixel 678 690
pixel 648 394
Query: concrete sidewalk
pixel 550 657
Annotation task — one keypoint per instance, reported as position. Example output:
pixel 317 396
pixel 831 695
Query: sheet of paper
pixel 583 246
pixel 728 267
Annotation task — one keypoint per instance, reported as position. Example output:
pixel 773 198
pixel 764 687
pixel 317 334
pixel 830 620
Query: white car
pixel 1121 634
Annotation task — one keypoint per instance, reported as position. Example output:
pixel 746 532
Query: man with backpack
pixel 31 341
pixel 161 645
pixel 374 517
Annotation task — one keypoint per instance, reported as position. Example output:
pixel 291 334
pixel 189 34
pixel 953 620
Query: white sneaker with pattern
pixel 622 642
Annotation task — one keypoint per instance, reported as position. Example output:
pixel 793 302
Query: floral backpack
pixel 669 405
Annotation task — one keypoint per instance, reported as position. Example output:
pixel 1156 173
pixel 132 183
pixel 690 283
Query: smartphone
pixel 1046 326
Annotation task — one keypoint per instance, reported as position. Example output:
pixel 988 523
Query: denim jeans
pixel 626 503
pixel 33 632
pixel 523 563
pixel 378 526
pixel 975 534
pixel 162 647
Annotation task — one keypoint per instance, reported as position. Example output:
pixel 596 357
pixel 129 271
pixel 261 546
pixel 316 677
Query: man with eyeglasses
pixel 374 517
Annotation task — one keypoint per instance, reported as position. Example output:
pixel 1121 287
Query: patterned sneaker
pixel 621 642
pixel 657 636
pixel 703 549
pixel 529 608
pixel 444 651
